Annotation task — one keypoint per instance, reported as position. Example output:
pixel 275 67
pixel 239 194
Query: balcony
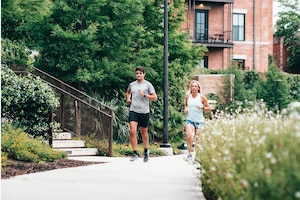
pixel 214 39
pixel 216 1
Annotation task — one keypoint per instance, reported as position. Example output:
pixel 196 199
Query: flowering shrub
pixel 251 156
pixel 17 144
pixel 3 159
pixel 28 101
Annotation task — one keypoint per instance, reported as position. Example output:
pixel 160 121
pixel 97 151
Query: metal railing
pixel 78 113
pixel 212 36
pixel 216 1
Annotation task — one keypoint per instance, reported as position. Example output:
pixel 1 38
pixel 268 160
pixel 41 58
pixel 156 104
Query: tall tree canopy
pixel 288 26
pixel 95 44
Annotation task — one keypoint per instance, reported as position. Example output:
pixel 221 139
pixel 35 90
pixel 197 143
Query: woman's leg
pixel 189 129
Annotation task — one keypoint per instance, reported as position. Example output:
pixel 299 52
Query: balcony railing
pixel 216 1
pixel 213 38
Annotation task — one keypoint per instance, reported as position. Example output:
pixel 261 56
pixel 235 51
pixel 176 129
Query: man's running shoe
pixel 146 156
pixel 134 157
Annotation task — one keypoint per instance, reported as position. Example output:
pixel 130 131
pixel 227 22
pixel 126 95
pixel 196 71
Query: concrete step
pixel 63 141
pixel 80 151
pixel 62 136
pixel 68 144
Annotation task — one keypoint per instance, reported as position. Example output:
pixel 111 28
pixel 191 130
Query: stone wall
pixel 214 84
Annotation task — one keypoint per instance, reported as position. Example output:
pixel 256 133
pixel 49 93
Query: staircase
pixel 63 141
pixel 78 114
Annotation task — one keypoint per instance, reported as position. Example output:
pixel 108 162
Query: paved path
pixel 162 178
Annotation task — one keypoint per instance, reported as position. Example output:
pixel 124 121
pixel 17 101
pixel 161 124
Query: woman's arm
pixel 205 103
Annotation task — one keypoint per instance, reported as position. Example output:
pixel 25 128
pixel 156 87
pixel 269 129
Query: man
pixel 138 95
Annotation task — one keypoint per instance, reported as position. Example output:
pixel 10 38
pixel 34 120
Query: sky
pixel 275 12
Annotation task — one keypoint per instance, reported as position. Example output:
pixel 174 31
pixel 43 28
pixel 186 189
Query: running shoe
pixel 189 158
pixel 146 156
pixel 134 157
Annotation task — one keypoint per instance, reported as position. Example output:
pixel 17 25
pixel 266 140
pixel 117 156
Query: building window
pixel 240 63
pixel 203 63
pixel 201 25
pixel 238 27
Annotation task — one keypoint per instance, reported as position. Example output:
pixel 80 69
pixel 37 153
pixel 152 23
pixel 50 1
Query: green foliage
pixel 20 19
pixel 115 37
pixel 275 89
pixel 120 118
pixel 250 156
pixel 15 55
pixel 294 83
pixel 288 26
pixel 156 123
pixel 27 101
pixel 19 146
pixel 119 150
pixel 3 159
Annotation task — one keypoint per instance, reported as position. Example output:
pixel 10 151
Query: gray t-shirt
pixel 140 104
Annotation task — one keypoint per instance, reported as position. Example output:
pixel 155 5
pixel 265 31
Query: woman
pixel 195 104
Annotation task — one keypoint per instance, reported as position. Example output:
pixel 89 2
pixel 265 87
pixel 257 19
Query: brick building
pixel 232 30
pixel 280 53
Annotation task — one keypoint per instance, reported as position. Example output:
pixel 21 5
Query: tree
pixel 288 26
pixel 117 36
pixel 95 45
pixel 275 90
pixel 20 19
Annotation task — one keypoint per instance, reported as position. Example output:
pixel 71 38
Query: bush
pixel 28 101
pixel 3 159
pixel 251 156
pixel 118 149
pixel 19 146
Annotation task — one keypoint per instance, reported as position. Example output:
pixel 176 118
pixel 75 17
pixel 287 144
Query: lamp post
pixel 166 77
pixel 277 100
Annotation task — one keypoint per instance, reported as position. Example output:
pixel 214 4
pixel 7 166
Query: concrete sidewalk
pixel 162 178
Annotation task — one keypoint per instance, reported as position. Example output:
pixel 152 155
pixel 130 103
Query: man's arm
pixel 128 97
pixel 152 96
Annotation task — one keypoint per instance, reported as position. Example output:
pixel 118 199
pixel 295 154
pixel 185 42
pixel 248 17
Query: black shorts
pixel 142 119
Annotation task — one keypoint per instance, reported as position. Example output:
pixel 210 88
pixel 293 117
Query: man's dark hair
pixel 140 68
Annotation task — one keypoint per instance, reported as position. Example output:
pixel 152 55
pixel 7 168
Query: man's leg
pixel 145 138
pixel 133 139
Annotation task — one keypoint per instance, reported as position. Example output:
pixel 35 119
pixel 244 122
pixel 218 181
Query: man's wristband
pixel 145 95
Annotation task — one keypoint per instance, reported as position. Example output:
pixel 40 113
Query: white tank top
pixel 195 114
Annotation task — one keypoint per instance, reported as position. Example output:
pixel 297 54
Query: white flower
pixel 213 169
pixel 269 155
pixel 268 172
pixel 272 160
pixel 244 183
pixel 228 175
pixel 268 130
pixel 297 194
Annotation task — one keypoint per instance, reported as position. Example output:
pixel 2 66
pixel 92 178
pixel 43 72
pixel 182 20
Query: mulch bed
pixel 15 168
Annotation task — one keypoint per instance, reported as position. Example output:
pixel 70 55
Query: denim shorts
pixel 198 125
